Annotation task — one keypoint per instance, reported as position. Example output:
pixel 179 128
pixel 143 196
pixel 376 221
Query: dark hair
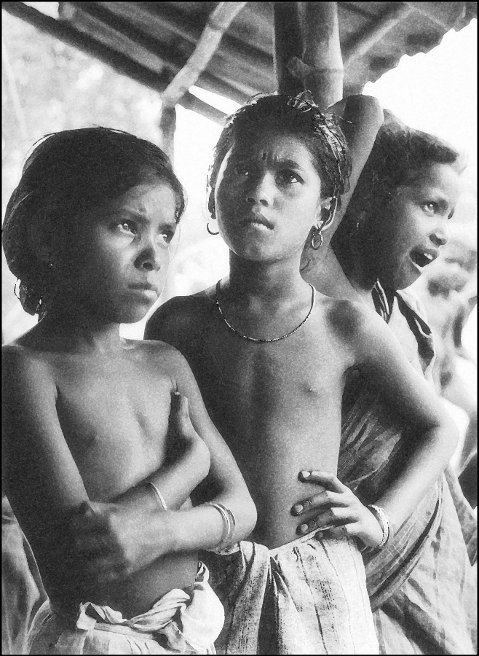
pixel 298 116
pixel 399 154
pixel 68 173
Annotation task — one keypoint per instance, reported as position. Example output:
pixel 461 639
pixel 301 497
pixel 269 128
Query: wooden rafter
pixel 90 16
pixel 116 60
pixel 217 24
pixel 375 32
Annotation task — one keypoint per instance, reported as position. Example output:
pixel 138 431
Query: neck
pixel 77 329
pixel 279 279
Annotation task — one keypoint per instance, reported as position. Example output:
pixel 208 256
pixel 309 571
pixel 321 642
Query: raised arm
pixel 362 117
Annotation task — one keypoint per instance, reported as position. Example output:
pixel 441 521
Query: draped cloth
pixel 179 622
pixel 422 586
pixel 305 597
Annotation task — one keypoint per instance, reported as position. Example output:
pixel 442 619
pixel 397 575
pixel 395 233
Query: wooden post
pixel 322 52
pixel 167 130
pixel 217 24
pixel 308 51
pixel 288 46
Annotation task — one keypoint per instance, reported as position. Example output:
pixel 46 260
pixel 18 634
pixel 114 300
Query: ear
pixel 327 212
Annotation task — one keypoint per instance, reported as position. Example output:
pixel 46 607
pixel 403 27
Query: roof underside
pixel 153 40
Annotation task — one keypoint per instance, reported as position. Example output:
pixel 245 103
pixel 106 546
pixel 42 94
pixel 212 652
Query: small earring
pixel 17 282
pixel 210 232
pixel 316 234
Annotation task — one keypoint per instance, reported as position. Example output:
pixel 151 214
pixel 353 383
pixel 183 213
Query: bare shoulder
pixel 19 361
pixel 27 378
pixel 161 358
pixel 347 319
pixel 179 314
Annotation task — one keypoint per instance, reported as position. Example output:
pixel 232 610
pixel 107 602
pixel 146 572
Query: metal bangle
pixel 384 523
pixel 159 496
pixel 229 524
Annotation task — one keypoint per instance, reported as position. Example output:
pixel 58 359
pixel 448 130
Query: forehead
pixel 152 200
pixel 440 177
pixel 271 145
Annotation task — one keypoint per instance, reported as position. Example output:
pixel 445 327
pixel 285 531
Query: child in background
pixel 271 357
pixel 422 585
pixel 93 422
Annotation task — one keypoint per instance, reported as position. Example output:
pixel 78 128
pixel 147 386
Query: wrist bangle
pixel 384 523
pixel 229 524
pixel 160 498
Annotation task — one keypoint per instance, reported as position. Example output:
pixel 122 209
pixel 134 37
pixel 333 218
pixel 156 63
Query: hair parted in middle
pixel 296 116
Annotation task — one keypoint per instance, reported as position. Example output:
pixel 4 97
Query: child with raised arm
pixel 271 356
pixel 422 586
pixel 93 423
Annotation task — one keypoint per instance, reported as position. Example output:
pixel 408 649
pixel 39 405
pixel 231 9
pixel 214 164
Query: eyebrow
pixel 139 216
pixel 290 163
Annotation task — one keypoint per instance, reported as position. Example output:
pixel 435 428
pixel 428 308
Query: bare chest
pixel 115 422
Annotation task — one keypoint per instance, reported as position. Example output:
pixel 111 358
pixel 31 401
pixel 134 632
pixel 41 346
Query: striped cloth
pixel 422 587
pixel 306 597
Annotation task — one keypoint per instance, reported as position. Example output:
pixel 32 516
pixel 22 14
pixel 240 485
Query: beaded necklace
pixel 258 339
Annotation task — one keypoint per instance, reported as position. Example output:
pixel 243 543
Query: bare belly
pixel 67 587
pixel 271 469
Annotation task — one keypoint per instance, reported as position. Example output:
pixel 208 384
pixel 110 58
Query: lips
pixel 144 286
pixel 423 256
pixel 257 219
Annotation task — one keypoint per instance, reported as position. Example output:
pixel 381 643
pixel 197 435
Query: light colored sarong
pixel 306 597
pixel 179 623
pixel 422 585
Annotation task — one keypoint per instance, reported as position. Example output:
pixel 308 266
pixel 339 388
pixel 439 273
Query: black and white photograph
pixel 239 328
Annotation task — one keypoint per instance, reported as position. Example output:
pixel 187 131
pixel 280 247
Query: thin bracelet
pixel 159 496
pixel 384 523
pixel 229 524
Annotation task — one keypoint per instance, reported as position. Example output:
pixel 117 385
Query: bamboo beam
pixel 322 52
pixel 288 45
pixel 167 130
pixel 150 14
pixel 115 60
pixel 148 50
pixel 375 32
pixel 217 24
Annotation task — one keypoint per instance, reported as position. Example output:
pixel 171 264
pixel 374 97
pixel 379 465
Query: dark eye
pixel 167 235
pixel 129 227
pixel 288 177
pixel 430 207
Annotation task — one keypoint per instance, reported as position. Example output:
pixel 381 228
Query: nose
pixel 152 256
pixel 261 190
pixel 439 235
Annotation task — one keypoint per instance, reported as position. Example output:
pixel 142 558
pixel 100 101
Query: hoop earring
pixel 316 234
pixel 15 288
pixel 210 232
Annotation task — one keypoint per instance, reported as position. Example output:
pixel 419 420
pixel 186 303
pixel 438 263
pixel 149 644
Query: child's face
pixel 267 197
pixel 120 253
pixel 408 235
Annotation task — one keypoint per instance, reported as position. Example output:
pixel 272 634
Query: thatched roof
pixel 151 41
